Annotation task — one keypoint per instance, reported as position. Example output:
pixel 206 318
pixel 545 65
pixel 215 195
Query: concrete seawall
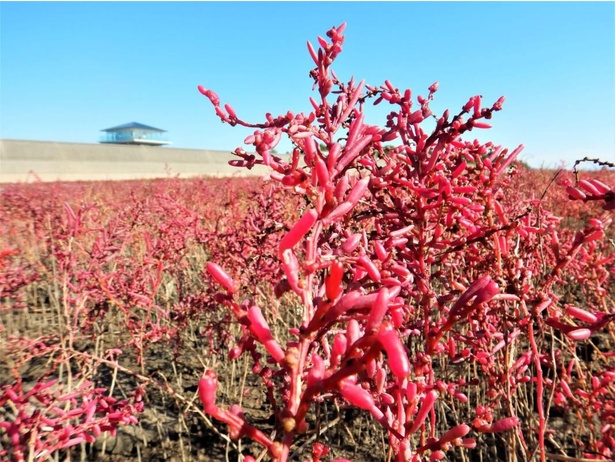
pixel 23 161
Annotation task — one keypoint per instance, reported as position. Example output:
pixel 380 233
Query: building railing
pixel 132 136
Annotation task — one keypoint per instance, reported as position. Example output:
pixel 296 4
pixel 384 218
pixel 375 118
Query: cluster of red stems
pixel 105 264
pixel 63 419
pixel 408 256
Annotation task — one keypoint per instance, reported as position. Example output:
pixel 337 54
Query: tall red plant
pixel 407 261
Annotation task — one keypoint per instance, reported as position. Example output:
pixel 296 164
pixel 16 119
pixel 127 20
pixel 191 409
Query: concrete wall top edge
pixel 22 149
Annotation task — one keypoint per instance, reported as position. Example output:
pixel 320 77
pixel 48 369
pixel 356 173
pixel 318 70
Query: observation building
pixel 134 133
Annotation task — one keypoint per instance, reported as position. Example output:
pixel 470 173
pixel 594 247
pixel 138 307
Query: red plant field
pixel 386 293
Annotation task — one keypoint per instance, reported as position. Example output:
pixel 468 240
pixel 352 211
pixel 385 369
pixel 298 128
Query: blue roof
pixel 133 125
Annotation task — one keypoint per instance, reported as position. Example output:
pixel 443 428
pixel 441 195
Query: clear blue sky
pixel 71 69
